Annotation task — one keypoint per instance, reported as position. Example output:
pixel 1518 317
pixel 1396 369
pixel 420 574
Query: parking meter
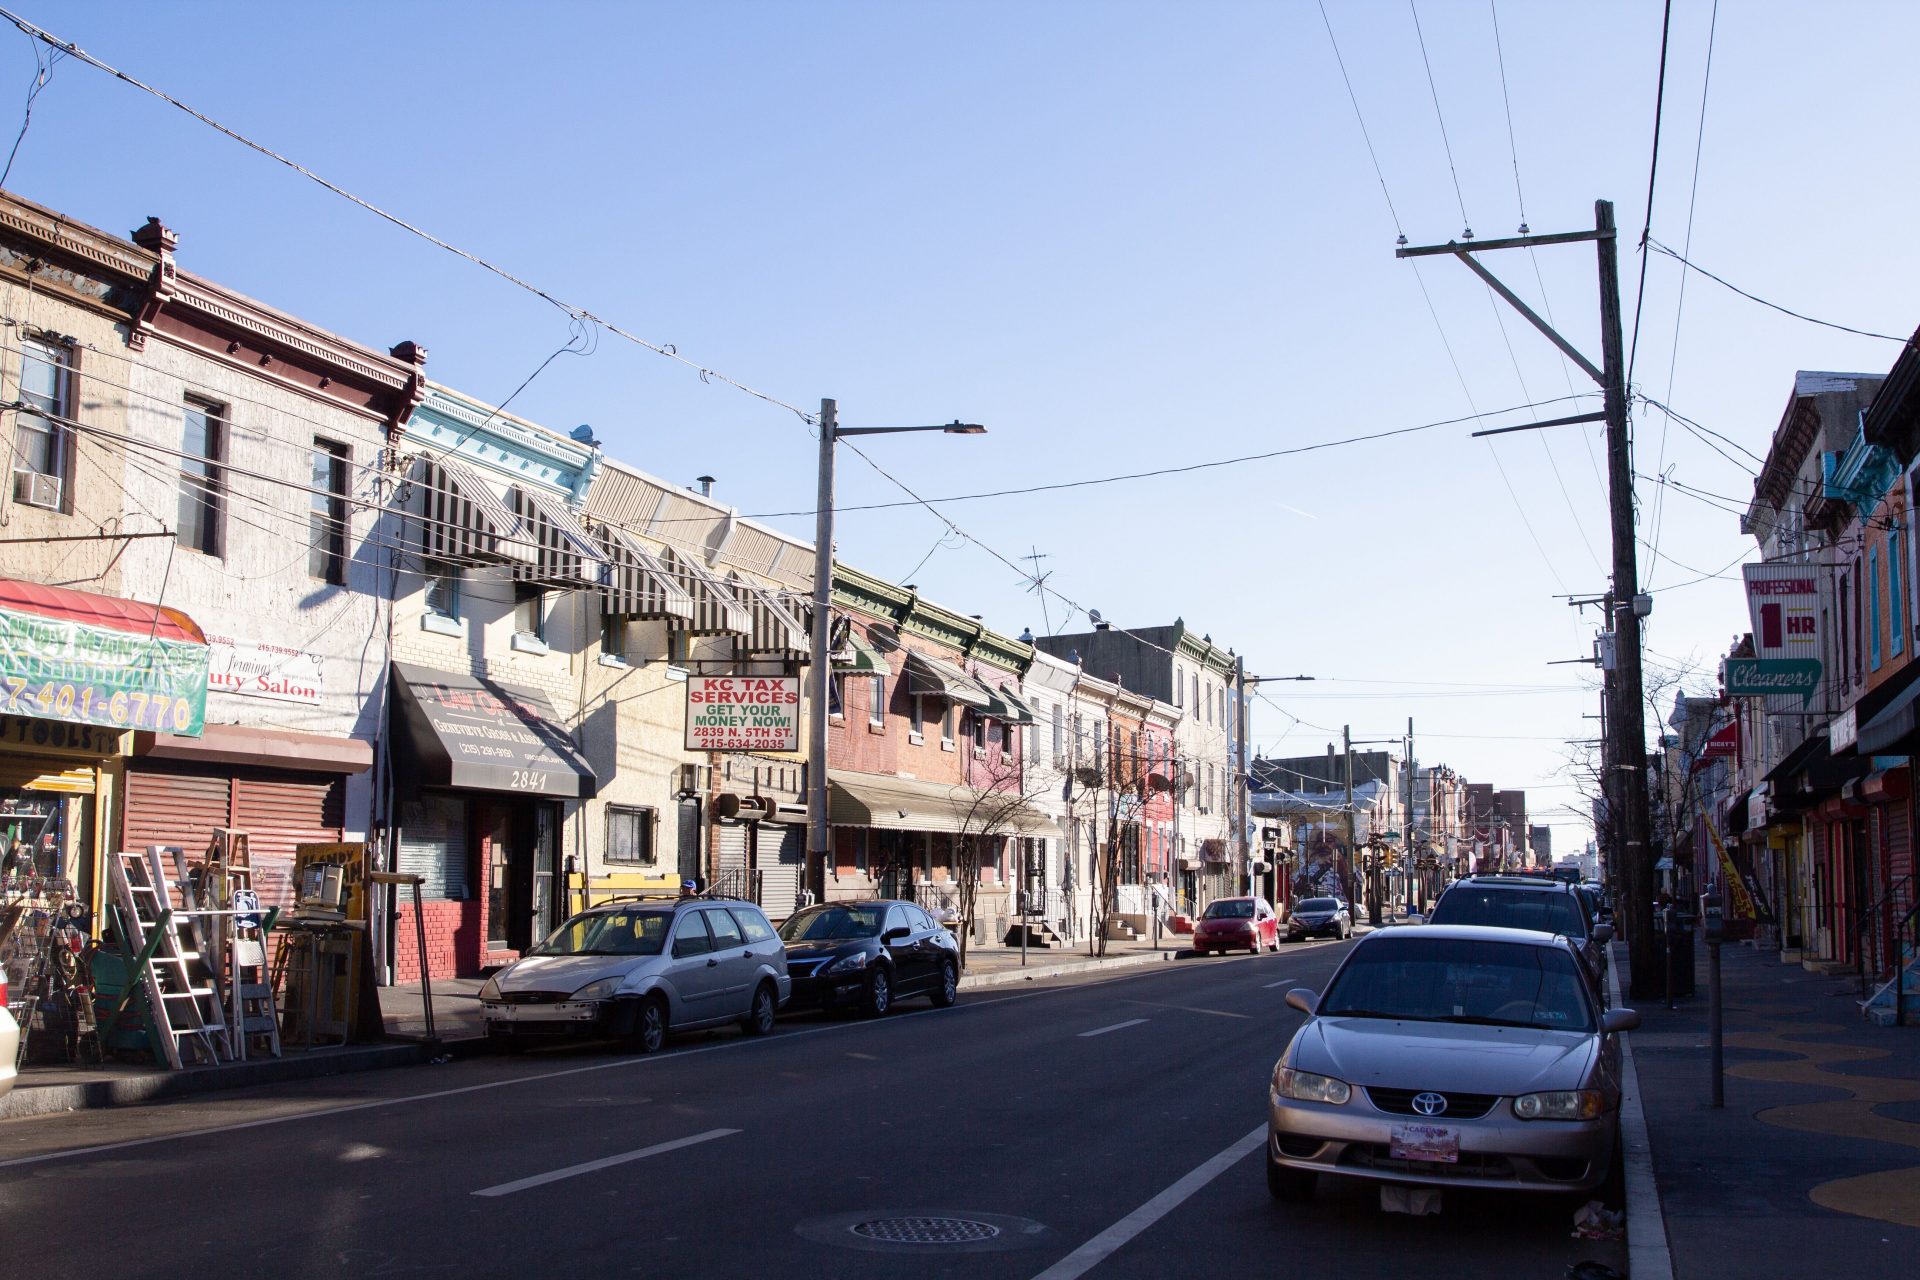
pixel 1712 919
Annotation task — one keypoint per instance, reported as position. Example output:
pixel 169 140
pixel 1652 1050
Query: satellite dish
pixel 1093 616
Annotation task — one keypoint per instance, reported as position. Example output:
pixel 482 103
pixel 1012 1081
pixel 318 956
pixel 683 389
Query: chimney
pixel 706 485
pixel 1103 626
pixel 156 238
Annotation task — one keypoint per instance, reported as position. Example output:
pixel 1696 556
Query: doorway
pixel 689 841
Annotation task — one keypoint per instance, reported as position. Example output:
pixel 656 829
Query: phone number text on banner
pixel 59 669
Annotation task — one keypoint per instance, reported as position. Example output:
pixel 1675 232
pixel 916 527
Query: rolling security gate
pixel 181 804
pixel 730 858
pixel 779 855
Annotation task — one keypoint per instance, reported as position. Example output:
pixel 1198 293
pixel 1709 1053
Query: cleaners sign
pixel 743 713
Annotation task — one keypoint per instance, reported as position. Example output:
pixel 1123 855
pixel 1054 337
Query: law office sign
pixel 743 713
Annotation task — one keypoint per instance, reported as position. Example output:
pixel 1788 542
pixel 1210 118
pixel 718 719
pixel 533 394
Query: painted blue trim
pixel 517 450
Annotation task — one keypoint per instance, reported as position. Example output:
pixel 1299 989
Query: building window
pixel 443 590
pixel 42 442
pixel 1196 695
pixel 1896 601
pixel 946 726
pixel 877 700
pixel 1059 735
pixel 202 447
pixel 327 514
pixel 530 611
pixel 679 647
pixel 629 836
pixel 1873 607
pixel 837 696
pixel 613 636
pixel 1179 685
pixel 918 712
pixel 1100 745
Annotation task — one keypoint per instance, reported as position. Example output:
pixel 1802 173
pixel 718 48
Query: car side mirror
pixel 1304 999
pixel 1614 1020
pixel 896 933
pixel 1603 934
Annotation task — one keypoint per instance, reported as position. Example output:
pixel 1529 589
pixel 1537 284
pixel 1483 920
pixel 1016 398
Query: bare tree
pixel 991 806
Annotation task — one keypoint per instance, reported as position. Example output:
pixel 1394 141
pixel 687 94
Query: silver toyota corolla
pixel 1450 1056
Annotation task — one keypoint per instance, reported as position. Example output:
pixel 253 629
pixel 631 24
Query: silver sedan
pixel 1450 1056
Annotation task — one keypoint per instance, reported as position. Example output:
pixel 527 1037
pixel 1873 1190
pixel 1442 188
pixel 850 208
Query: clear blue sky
pixel 1121 235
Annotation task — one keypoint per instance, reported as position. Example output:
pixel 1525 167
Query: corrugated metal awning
pixel 565 557
pixel 776 629
pixel 716 610
pixel 929 677
pixel 637 584
pixel 909 804
pixel 859 658
pixel 464 520
pixel 1022 710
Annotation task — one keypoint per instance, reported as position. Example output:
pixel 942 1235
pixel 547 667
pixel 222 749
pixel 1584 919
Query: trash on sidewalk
pixel 1419 1201
pixel 1594 1221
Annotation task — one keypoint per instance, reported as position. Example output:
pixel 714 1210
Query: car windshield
pixel 609 933
pixel 833 924
pixel 1549 911
pixel 1239 910
pixel 1426 979
pixel 1318 904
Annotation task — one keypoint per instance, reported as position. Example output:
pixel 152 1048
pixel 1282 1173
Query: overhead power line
pixel 1754 297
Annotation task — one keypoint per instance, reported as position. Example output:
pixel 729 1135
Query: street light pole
pixel 820 672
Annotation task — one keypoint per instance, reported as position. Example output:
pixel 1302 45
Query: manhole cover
pixel 925 1230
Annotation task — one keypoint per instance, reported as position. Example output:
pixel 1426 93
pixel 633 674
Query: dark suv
pixel 1528 902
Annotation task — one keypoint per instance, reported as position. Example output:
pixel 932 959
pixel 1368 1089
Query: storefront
pixel 483 772
pixel 78 673
pixel 279 787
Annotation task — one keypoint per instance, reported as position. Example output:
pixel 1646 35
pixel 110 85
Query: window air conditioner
pixel 33 489
pixel 690 779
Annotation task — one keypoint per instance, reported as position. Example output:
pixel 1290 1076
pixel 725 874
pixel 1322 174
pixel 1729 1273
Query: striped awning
pixel 716 610
pixel 565 556
pixel 776 627
pixel 637 584
pixel 929 677
pixel 463 520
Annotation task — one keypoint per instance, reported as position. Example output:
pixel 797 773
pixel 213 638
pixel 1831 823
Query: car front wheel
pixel 947 990
pixel 879 994
pixel 650 1025
pixel 1288 1184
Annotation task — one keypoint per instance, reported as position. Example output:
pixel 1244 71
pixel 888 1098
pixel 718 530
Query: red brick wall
pixel 455 934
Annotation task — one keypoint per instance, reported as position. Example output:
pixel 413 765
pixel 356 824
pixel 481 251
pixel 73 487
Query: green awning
pixel 859 658
pixel 1022 713
pixel 930 677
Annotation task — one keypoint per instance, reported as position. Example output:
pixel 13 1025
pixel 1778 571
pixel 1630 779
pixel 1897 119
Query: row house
pixel 1199 680
pixel 1327 848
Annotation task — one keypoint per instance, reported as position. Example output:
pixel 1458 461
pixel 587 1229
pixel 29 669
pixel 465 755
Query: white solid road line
pixel 1097 1250
pixel 575 1170
pixel 1118 1026
pixel 1648 1257
pixel 1283 982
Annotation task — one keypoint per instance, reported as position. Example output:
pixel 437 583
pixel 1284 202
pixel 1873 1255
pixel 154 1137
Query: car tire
pixel 947 989
pixel 650 1026
pixel 759 1019
pixel 879 995
pixel 1288 1184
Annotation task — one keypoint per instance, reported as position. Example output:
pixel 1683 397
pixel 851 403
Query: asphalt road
pixel 1107 1127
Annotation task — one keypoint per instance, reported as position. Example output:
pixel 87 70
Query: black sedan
pixel 866 954
pixel 1319 918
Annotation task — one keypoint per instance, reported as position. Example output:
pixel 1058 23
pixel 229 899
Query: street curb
pixel 1007 977
pixel 53 1099
pixel 1648 1257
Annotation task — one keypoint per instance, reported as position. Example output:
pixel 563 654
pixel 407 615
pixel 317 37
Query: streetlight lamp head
pixel 958 428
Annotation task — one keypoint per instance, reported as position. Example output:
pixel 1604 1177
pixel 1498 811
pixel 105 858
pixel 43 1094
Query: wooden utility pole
pixel 1626 769
pixel 1346 747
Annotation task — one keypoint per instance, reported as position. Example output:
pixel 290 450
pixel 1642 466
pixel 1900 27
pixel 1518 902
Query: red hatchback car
pixel 1229 924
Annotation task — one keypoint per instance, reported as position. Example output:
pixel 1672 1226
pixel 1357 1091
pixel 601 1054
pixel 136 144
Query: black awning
pixel 1811 774
pixel 1896 729
pixel 475 734
pixel 1737 813
pixel 1796 759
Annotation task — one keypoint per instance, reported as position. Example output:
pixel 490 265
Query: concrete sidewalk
pixel 1812 1168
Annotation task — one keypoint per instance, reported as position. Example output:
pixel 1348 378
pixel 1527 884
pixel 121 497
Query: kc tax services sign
pixel 743 713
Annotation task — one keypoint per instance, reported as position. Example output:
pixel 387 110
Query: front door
pixel 689 835
pixel 493 830
pixel 530 874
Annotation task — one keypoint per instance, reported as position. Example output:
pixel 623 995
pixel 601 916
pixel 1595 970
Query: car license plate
pixel 1433 1143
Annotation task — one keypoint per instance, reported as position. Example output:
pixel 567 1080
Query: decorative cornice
pixel 446 422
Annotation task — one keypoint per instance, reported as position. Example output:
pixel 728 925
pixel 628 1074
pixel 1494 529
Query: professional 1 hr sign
pixel 743 713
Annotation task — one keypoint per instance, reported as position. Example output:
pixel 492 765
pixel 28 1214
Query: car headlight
pixel 848 964
pixel 1305 1086
pixel 1560 1104
pixel 601 990
pixel 491 991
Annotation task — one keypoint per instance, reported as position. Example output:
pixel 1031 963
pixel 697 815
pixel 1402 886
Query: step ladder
pixel 225 879
pixel 182 998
